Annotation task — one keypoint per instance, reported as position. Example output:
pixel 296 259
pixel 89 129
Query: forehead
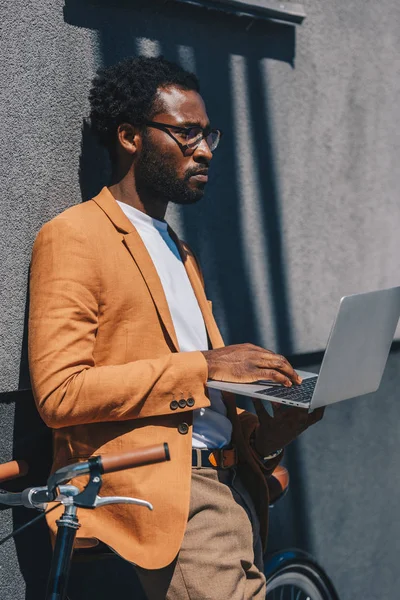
pixel 182 106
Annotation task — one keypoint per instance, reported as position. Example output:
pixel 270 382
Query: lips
pixel 200 176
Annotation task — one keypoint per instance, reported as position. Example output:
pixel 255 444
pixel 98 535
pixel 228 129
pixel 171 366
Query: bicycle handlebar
pixel 13 469
pixel 135 458
pixel 111 463
pixel 108 464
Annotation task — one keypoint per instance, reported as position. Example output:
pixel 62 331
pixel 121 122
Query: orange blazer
pixel 105 366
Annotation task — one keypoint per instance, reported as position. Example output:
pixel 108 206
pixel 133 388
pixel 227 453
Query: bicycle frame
pixel 72 498
pixel 286 568
pixel 62 554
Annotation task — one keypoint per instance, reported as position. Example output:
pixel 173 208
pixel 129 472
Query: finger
pixel 284 365
pixel 315 416
pixel 265 358
pixel 280 408
pixel 280 363
pixel 276 376
pixel 295 418
pixel 295 413
pixel 263 409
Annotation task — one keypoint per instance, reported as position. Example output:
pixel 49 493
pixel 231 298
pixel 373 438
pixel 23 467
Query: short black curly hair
pixel 126 93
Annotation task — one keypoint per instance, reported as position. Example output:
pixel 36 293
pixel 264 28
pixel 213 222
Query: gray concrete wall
pixel 302 208
pixel 342 504
pixel 303 200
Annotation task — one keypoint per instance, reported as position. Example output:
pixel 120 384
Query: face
pixel 162 170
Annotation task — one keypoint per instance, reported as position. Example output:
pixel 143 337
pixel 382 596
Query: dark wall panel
pixel 302 208
pixel 343 499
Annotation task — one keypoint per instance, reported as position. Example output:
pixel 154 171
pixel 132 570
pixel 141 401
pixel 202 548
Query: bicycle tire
pixel 300 580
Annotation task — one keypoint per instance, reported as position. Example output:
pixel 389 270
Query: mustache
pixel 192 172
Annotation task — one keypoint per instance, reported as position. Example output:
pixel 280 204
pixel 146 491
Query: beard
pixel 157 178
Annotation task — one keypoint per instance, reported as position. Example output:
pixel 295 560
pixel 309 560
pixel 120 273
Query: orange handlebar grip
pixel 135 458
pixel 13 469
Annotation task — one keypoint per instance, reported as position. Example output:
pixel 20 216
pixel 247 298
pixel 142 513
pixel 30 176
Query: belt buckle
pixel 234 461
pixel 213 459
pixel 217 458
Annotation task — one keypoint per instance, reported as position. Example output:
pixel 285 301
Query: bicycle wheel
pixel 300 581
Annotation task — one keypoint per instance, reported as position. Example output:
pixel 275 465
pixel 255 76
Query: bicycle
pixel 72 498
pixel 291 574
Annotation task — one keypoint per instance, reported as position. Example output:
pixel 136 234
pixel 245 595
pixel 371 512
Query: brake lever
pixel 88 497
pixel 103 501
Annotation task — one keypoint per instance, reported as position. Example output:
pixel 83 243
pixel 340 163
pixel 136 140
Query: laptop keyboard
pixel 297 393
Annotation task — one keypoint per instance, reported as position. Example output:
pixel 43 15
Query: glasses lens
pixel 193 137
pixel 213 138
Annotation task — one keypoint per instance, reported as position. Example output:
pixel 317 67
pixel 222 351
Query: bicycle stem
pixel 68 525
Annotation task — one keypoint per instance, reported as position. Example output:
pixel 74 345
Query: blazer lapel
pixel 140 255
pixel 138 250
pixel 205 307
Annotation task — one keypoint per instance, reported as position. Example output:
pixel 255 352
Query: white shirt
pixel 211 427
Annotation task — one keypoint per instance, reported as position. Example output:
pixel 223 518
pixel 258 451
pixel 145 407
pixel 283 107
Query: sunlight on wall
pixel 186 58
pixel 187 61
pixel 147 47
pixel 249 206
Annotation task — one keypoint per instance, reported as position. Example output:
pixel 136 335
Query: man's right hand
pixel 246 363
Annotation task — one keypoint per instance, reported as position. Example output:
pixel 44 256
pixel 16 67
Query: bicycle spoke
pixel 282 593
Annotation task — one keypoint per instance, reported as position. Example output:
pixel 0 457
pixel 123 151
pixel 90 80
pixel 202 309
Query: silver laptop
pixel 354 360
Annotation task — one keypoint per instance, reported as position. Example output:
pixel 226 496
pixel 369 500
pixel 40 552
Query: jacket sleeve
pixel 69 389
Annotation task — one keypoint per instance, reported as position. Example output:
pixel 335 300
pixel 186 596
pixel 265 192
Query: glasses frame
pixel 184 147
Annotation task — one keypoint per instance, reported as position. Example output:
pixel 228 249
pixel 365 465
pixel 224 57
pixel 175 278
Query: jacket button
pixel 190 401
pixel 182 403
pixel 183 428
pixel 174 405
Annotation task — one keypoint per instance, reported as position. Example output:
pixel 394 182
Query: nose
pixel 203 152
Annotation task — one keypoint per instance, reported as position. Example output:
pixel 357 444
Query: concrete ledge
pixel 285 12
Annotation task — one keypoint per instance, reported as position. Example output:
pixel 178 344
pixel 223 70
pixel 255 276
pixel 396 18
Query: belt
pixel 221 458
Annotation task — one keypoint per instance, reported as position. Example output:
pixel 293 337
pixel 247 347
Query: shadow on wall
pixel 227 56
pixel 243 189
pixel 31 442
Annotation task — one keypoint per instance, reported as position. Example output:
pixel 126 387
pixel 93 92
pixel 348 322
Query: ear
pixel 129 138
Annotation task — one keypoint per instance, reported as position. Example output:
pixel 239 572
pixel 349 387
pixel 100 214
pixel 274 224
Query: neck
pixel 124 190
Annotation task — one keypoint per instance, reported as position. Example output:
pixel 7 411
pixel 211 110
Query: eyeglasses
pixel 189 138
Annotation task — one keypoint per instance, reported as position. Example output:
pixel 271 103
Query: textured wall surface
pixel 302 208
pixel 303 200
pixel 342 504
pixel 341 507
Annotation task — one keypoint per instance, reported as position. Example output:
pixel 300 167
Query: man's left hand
pixel 278 431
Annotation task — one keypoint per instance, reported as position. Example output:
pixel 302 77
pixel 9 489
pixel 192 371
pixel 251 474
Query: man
pixel 122 341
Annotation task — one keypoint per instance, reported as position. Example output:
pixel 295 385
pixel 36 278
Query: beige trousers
pixel 220 557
